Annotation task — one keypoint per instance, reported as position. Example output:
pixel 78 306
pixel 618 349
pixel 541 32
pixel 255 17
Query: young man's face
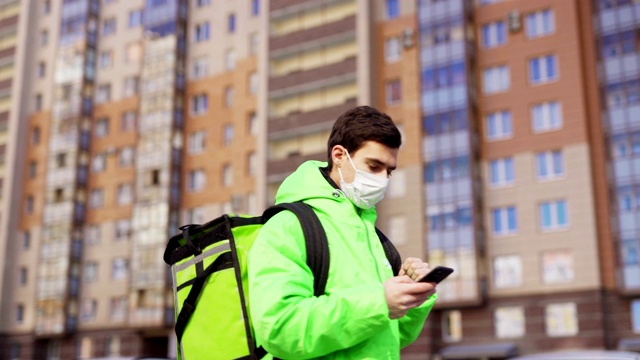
pixel 372 157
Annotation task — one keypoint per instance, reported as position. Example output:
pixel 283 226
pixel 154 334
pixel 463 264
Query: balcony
pixel 344 67
pixel 295 124
pixel 277 170
pixel 298 38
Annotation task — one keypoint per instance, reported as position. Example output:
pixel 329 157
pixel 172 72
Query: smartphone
pixel 437 274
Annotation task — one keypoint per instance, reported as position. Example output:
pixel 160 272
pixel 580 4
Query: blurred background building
pixel 121 120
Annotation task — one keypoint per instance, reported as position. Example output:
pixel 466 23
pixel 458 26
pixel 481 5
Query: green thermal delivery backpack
pixel 209 273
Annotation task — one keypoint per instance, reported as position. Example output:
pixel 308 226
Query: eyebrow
pixel 380 163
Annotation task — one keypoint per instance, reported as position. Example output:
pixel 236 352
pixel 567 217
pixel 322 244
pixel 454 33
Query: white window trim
pixel 548 163
pixel 502 172
pixel 390 56
pixel 538 20
pixel 499 118
pixel 547 116
pixel 504 219
pixel 502 75
pixel 544 72
pixel 553 207
pixel 492 42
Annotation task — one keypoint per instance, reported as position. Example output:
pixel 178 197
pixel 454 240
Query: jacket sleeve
pixel 288 320
pixel 412 323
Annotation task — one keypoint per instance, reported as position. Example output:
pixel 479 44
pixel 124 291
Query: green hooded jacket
pixel 351 321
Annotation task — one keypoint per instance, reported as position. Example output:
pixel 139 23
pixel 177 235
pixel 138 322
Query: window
pixel 393 92
pixel 106 59
pixel 42 69
pixel 540 23
pixel 26 240
pixel 393 9
pixel 546 116
pixel 227 175
pixel 200 3
pixel 452 326
pixel 509 322
pixel 19 313
pixel 201 32
pixel 550 164
pixel 88 311
pixel 124 194
pixel 14 352
pixel 228 96
pixel 507 271
pixel 230 59
pixel 119 269
pixel 196 180
pixel 155 177
pixel 255 7
pixel 128 121
pixel 44 37
pixel 253 43
pixel 53 349
pixel 102 127
pixel 90 271
pixel 61 160
pixel 104 93
pixel 125 157
pixel 108 26
pixel 252 125
pixel 397 226
pixel 231 23
pixel 84 348
pixel 561 319
pixel 228 135
pixel 543 69
pixel 92 234
pixel 118 309
pixel 498 125
pixel 35 136
pixel 37 106
pixel 46 6
pixel 196 142
pixel 501 171
pixel 23 276
pixel 58 195
pixel 253 83
pixel 200 68
pixel 28 206
pixel 252 164
pixel 557 267
pixel 96 199
pixel 123 229
pixel 397 187
pixel 553 215
pixel 494 34
pixel 133 53
pixel 130 86
pixel 635 315
pixel 504 220
pixel 496 79
pixel 135 18
pixel 392 49
pixel 33 169
pixel 199 104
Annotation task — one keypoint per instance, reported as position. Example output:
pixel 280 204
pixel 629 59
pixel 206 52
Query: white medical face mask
pixel 366 190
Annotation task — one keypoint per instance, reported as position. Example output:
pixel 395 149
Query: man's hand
pixel 414 268
pixel 403 294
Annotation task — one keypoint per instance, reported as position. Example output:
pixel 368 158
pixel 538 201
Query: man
pixel 366 312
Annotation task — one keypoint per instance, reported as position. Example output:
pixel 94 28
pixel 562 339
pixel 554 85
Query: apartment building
pixel 126 119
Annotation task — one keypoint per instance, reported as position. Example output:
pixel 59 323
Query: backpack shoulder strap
pixel 315 239
pixel 392 253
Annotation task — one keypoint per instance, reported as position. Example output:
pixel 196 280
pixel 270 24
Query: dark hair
pixel 360 124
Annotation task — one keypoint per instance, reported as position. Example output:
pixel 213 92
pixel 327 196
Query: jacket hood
pixel 306 183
